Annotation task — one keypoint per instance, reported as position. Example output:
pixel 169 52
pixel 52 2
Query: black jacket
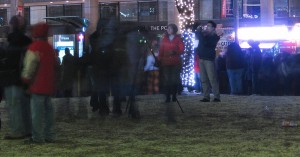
pixel 207 45
pixel 13 56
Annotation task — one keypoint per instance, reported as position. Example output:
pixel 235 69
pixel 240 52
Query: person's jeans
pixel 255 83
pixel 197 85
pixel 235 77
pixel 209 78
pixel 42 118
pixel 18 110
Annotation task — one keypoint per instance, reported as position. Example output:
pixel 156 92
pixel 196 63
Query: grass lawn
pixel 235 127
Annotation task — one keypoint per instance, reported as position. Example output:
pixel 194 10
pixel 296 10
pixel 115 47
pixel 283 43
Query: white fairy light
pixel 186 20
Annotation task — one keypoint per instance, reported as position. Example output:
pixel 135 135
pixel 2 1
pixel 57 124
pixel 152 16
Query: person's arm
pixel 212 41
pixel 31 62
pixel 161 51
pixel 180 46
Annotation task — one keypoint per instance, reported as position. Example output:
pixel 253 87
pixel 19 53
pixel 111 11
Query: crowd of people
pixel 27 75
pixel 120 64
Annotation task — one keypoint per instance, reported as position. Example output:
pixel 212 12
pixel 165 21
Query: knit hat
pixel 40 30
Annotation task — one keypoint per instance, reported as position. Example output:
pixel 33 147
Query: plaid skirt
pixel 152 82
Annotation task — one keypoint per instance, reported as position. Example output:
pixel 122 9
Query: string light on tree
pixel 186 21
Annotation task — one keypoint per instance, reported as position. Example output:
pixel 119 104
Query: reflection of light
pixel 263 33
pixel 124 14
pixel 80 37
pixel 83 29
pixel 65 43
pixel 295 32
pixel 245 45
pixel 266 45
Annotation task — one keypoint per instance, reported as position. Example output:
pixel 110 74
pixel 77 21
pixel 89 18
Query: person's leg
pixel 37 104
pixel 175 81
pixel 231 81
pixel 156 81
pixel 116 95
pixel 26 114
pixel 204 79
pixel 49 120
pixel 167 83
pixel 16 104
pixel 255 83
pixel 240 81
pixel 103 109
pixel 212 76
pixel 197 82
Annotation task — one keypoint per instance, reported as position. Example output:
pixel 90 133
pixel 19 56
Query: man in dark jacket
pixel 208 40
pixel 16 99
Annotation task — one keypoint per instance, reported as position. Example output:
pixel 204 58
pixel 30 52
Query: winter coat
pixel 39 68
pixel 234 57
pixel 207 45
pixel 69 69
pixel 12 58
pixel 176 45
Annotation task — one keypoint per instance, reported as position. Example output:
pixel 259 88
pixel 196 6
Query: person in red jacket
pixel 39 74
pixel 171 48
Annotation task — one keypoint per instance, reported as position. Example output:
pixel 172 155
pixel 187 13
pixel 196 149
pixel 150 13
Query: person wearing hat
pixel 39 74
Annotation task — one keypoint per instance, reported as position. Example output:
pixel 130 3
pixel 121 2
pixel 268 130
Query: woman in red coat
pixel 171 48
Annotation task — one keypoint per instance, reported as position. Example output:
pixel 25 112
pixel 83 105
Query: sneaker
pixel 204 100
pixel 216 100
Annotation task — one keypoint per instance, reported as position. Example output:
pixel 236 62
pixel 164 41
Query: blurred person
pixel 171 47
pixel 267 75
pixel 220 66
pixel 17 100
pixel 58 73
pixel 39 74
pixel 103 72
pixel 152 71
pixel 197 86
pixel 68 73
pixel 235 68
pixel 208 40
pixel 254 62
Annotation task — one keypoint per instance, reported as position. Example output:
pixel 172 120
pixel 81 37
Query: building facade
pixel 156 14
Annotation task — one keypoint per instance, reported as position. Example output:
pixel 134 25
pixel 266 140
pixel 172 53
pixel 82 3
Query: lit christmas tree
pixel 186 21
